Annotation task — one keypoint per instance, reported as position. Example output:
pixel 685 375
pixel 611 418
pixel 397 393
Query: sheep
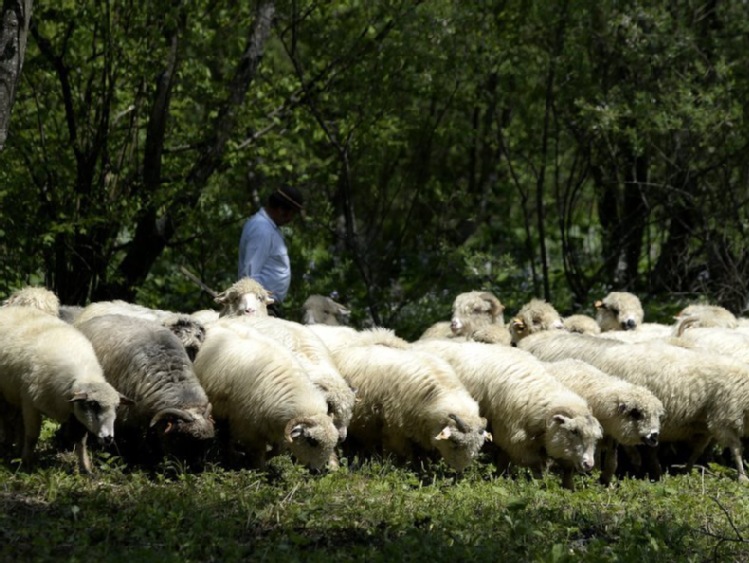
pixel 477 315
pixel 704 316
pixel 313 356
pixel 629 414
pixel 582 324
pixel 265 398
pixel 147 362
pixel 532 416
pixel 39 298
pixel 622 311
pixel 338 337
pixel 69 313
pixel 244 297
pixel 409 404
pixel 705 396
pixel 727 341
pixel 534 316
pixel 320 309
pixel 188 329
pixel 49 368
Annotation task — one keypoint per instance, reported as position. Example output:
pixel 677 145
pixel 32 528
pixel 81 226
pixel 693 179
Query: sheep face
pixel 340 409
pixel 319 309
pixel 245 297
pixel 475 309
pixel 573 439
pixel 535 316
pixel 184 433
pixel 619 310
pixel 639 421
pixel 95 406
pixel 311 440
pixel 459 441
pixel 190 331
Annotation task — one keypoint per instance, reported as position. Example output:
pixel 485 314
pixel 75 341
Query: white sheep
pixel 266 398
pixel 629 414
pixel 727 341
pixel 477 315
pixel 48 368
pixel 582 324
pixel 705 396
pixel 148 363
pixel 321 309
pixel 704 316
pixel 245 297
pixel 37 297
pixel 312 354
pixel 407 403
pixel 532 416
pixel 536 315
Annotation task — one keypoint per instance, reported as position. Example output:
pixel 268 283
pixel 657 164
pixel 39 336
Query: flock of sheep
pixel 542 391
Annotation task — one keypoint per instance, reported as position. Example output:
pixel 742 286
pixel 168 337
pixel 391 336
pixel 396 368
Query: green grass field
pixel 375 512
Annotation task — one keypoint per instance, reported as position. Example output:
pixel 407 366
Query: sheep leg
pixel 567 477
pixel 654 469
pixel 609 460
pixel 32 427
pixel 737 453
pixel 79 435
pixel 698 447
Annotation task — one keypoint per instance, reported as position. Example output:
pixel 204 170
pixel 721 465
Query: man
pixel 263 255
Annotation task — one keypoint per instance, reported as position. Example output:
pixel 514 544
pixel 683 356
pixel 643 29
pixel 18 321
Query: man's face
pixel 285 216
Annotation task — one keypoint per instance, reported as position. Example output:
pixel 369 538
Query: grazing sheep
pixel 705 316
pixel 409 404
pixel 532 416
pixel 705 396
pixel 188 329
pixel 148 363
pixel 581 324
pixel 313 356
pixel 48 368
pixel 534 316
pixel 320 309
pixel 37 297
pixel 629 414
pixel 245 297
pixel 477 315
pixel 265 397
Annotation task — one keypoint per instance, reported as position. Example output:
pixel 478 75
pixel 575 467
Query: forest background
pixel 555 149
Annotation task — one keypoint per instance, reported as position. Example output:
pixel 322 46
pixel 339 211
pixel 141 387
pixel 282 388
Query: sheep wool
pixel 266 398
pixel 532 416
pixel 37 297
pixel 49 368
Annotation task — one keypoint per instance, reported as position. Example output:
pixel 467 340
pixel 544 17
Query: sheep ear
pixel 79 396
pixel 622 408
pixel 560 418
pixel 444 435
pixel 517 323
pixel 126 400
pixel 268 300
pixel 296 432
pixel 598 304
pixel 488 436
pixel 221 297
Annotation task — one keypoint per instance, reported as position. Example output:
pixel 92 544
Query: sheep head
pixel 319 309
pixel 572 437
pixel 535 316
pixel 36 297
pixel 245 297
pixel 619 310
pixel 475 309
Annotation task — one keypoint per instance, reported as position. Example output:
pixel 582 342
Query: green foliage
pixel 374 511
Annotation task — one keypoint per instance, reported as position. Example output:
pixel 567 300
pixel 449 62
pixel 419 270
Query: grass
pixel 375 512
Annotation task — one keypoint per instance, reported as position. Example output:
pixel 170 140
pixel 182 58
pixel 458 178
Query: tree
pixel 14 28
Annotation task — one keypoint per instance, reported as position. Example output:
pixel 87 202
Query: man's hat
pixel 292 196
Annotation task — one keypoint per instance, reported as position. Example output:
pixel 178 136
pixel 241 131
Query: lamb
pixel 629 414
pixel 244 297
pixel 582 324
pixel 532 416
pixel 410 404
pixel 313 356
pixel 705 396
pixel 622 311
pixel 320 309
pixel 37 297
pixel 534 316
pixel 188 329
pixel 265 398
pixel 148 363
pixel 477 315
pixel 48 368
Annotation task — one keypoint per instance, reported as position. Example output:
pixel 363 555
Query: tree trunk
pixel 14 30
